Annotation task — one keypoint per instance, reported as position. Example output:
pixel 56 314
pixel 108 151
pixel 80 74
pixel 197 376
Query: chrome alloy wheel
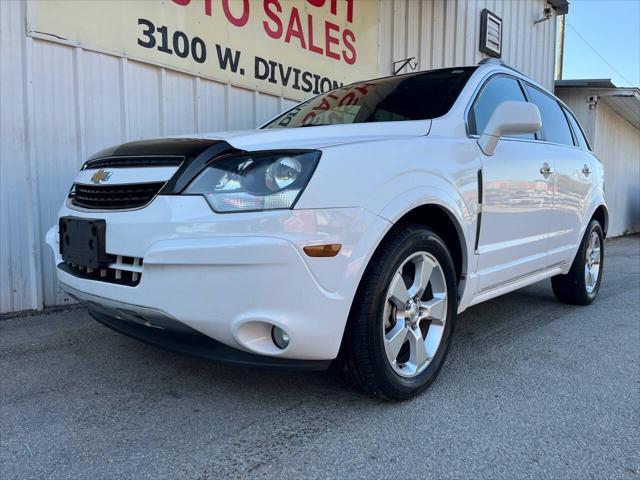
pixel 592 262
pixel 415 314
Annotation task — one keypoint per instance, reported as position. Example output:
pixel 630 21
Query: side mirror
pixel 509 118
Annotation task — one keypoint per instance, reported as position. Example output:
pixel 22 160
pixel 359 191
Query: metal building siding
pixel 18 282
pixel 441 33
pixel 59 104
pixel 617 144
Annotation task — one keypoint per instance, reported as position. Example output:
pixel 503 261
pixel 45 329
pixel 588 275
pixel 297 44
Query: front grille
pixel 114 197
pixel 121 270
pixel 129 162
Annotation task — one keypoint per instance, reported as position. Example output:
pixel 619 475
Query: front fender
pixel 458 211
pixel 420 196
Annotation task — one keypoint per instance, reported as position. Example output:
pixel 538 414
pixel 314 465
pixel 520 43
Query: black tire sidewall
pixel 419 239
pixel 594 226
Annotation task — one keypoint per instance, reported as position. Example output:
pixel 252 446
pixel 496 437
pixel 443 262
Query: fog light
pixel 279 337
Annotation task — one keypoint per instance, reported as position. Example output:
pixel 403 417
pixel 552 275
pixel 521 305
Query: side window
pixel 554 124
pixel 499 89
pixel 577 131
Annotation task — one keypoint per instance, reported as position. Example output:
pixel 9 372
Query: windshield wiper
pixel 314 125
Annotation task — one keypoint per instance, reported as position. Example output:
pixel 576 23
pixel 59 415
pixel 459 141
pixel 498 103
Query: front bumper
pixel 232 277
pixel 197 345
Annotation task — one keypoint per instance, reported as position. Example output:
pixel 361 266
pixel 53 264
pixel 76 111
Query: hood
pixel 316 137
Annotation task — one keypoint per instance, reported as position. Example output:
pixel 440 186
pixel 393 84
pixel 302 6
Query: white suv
pixel 360 238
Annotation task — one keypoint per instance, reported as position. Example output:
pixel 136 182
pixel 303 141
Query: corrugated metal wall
pixel 58 104
pixel 443 33
pixel 19 258
pixel 617 144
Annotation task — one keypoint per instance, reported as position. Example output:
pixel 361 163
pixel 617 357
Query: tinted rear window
pixel 554 123
pixel 417 96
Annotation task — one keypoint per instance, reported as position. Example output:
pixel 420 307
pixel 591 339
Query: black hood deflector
pixel 196 153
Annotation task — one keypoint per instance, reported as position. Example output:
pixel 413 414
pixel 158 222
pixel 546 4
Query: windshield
pixel 417 96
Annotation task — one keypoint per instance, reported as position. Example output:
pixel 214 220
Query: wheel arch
pixel 444 221
pixel 597 211
pixel 601 214
pixel 444 217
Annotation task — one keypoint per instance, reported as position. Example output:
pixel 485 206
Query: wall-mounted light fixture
pixel 546 15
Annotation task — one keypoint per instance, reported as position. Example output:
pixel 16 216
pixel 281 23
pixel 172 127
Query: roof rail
pixel 491 61
pixel 499 62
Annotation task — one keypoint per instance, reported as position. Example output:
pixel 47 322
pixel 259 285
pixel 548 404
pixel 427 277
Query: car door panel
pixel 516 213
pixel 517 198
pixel 572 191
pixel 571 177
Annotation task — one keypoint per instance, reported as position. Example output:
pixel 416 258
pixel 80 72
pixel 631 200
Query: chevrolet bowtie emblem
pixel 101 176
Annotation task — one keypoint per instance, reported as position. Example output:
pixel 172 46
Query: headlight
pixel 255 181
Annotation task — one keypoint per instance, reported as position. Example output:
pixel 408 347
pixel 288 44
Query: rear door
pixel 517 197
pixel 572 181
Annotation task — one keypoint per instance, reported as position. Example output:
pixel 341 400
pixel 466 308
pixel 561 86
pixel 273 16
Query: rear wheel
pixel 580 286
pixel 403 315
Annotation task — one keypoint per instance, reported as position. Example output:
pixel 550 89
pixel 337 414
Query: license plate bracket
pixel 82 241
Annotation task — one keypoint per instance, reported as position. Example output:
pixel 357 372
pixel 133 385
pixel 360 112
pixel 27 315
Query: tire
pixel 576 287
pixel 375 325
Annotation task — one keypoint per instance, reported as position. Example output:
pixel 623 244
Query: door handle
pixel 546 170
pixel 586 170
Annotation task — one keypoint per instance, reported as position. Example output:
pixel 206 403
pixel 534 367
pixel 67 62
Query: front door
pixel 516 213
pixel 517 195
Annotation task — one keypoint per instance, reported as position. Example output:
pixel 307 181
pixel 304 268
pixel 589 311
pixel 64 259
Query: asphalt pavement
pixel 532 389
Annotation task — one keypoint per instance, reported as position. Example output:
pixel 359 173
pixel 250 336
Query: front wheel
pixel 580 286
pixel 403 315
